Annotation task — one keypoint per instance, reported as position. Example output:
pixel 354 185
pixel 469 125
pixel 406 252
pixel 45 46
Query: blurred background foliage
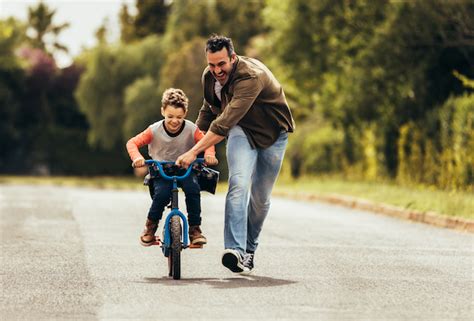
pixel 379 89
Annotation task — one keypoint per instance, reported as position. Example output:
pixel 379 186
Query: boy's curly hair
pixel 174 97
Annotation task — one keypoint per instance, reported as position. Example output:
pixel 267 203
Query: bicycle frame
pixel 174 201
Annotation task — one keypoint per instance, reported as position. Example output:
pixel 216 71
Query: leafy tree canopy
pixel 42 32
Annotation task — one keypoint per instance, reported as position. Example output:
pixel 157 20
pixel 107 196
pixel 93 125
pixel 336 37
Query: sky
pixel 84 17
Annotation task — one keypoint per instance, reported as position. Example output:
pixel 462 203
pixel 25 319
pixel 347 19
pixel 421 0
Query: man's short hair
pixel 216 43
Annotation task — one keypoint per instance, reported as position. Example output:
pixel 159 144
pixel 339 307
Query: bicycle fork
pixel 175 211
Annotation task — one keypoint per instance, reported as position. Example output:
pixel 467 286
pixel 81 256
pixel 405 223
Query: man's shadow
pixel 241 281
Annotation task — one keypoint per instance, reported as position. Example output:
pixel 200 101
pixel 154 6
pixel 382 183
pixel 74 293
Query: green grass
pixel 96 182
pixel 102 182
pixel 422 198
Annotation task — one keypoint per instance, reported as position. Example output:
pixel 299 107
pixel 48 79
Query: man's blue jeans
pixel 252 174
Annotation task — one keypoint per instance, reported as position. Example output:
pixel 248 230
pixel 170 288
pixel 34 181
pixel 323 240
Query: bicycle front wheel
pixel 176 247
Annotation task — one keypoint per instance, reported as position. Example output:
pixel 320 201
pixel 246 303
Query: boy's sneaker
pixel 148 236
pixel 232 260
pixel 248 262
pixel 195 235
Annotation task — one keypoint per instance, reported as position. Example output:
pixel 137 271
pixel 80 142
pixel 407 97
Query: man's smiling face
pixel 220 64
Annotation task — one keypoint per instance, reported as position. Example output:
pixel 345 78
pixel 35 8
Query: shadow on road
pixel 253 281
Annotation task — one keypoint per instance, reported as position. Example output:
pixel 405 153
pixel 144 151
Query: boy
pixel 166 140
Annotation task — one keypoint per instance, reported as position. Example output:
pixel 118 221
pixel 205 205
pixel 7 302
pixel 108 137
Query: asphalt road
pixel 73 253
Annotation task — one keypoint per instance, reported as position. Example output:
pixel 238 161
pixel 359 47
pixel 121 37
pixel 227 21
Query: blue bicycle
pixel 175 230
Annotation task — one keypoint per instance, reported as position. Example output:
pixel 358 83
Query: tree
pixel 141 106
pixel 127 30
pixel 240 20
pixel 405 71
pixel 102 31
pixel 12 83
pixel 370 68
pixel 110 70
pixel 151 17
pixel 42 33
pixel 314 39
pixel 183 70
pixel 189 19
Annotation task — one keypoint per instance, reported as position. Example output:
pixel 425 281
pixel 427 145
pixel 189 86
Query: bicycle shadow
pixel 249 281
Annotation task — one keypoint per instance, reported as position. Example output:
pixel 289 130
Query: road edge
pixel 431 218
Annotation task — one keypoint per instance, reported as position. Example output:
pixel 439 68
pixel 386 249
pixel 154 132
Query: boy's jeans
pixel 162 195
pixel 252 174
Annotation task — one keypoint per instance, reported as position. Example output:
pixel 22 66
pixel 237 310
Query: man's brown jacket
pixel 251 98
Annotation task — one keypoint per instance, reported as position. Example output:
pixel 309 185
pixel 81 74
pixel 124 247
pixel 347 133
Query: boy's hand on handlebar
pixel 186 159
pixel 139 162
pixel 211 160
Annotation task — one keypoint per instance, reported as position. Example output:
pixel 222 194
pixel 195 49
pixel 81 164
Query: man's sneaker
pixel 232 260
pixel 148 236
pixel 195 235
pixel 248 262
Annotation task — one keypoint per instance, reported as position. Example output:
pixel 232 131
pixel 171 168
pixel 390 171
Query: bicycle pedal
pixel 157 241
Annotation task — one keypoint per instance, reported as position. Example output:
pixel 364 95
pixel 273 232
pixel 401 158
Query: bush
pixel 441 152
pixel 456 119
pixel 316 147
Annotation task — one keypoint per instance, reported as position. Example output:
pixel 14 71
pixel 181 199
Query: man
pixel 245 103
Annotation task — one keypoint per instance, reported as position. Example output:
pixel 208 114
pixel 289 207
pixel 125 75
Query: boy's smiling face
pixel 174 117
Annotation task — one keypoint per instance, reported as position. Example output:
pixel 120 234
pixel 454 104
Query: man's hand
pixel 139 162
pixel 186 159
pixel 211 160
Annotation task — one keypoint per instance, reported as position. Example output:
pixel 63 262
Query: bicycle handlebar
pixel 160 164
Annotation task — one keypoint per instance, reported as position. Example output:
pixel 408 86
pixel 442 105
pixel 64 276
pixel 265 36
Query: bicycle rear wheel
pixel 174 258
